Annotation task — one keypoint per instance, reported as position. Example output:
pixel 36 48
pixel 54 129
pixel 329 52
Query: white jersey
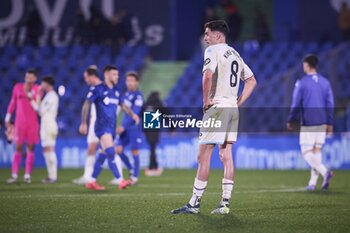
pixel 228 68
pixel 48 109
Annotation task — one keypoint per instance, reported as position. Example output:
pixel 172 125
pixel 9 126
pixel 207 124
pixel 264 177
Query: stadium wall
pixel 260 151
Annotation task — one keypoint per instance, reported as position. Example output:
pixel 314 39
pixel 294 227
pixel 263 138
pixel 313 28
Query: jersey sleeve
pixel 296 103
pixel 330 105
pixel 246 72
pixel 210 61
pixel 92 94
pixel 13 102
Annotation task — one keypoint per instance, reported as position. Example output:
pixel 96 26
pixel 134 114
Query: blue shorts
pixel 131 136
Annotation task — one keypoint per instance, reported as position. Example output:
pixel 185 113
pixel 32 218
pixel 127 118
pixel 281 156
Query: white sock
pixel 198 190
pixel 315 161
pixel 51 164
pixel 313 177
pixel 89 166
pixel 321 168
pixel 227 187
pixel 118 162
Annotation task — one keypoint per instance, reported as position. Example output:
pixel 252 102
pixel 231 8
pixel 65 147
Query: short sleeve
pixel 246 72
pixel 92 94
pixel 210 61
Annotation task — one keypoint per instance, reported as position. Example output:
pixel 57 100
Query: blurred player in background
pixel 48 109
pixel 130 133
pixel 106 98
pixel 26 129
pixel 222 71
pixel 153 103
pixel 91 78
pixel 314 97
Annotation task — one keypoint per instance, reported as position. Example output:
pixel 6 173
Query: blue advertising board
pixel 180 151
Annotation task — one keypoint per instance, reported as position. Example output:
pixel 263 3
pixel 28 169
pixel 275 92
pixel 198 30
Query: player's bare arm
pixel 207 82
pixel 128 110
pixel 249 86
pixel 84 115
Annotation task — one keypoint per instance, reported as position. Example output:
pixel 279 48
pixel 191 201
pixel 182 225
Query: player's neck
pixel 109 84
pixel 311 72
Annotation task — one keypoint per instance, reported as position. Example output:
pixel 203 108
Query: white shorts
pixel 91 137
pixel 227 132
pixel 312 136
pixel 48 134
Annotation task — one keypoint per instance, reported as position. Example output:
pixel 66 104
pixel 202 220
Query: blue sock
pixel 136 165
pixel 98 165
pixel 126 161
pixel 111 162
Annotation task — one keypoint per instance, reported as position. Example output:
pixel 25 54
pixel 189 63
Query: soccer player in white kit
pixel 222 71
pixel 47 109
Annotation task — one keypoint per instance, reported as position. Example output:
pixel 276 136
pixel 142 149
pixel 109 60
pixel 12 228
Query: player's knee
pixel 91 150
pixel 119 150
pixel 110 152
pixel 135 152
pixel 19 148
pixel 101 158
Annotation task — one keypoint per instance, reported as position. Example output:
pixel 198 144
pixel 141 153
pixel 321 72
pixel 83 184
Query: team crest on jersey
pixel 207 61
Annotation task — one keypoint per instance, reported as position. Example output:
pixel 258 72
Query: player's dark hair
pixel 92 71
pixel 312 60
pixel 219 26
pixel 49 80
pixel 109 68
pixel 33 72
pixel 133 74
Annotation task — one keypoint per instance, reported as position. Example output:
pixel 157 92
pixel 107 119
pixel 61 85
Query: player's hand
pixel 120 130
pixel 83 129
pixel 136 119
pixel 9 132
pixel 289 126
pixel 329 130
pixel 208 104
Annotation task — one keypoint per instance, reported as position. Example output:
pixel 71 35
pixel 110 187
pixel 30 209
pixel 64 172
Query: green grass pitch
pixel 263 201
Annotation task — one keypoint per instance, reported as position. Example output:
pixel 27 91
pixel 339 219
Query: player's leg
pixel 16 163
pixel 29 163
pixel 93 142
pixel 200 182
pixel 135 140
pixel 314 174
pixel 90 159
pixel 51 164
pixel 225 152
pixel 230 119
pixel 48 141
pixel 31 137
pixel 326 173
pixel 122 142
pixel 136 171
pixel 311 141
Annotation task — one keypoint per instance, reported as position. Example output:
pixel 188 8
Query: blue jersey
pixel 106 101
pixel 134 100
pixel 314 97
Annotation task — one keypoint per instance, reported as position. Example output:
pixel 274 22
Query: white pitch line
pixel 103 195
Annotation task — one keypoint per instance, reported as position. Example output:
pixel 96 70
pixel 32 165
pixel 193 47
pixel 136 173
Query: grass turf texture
pixel 264 201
